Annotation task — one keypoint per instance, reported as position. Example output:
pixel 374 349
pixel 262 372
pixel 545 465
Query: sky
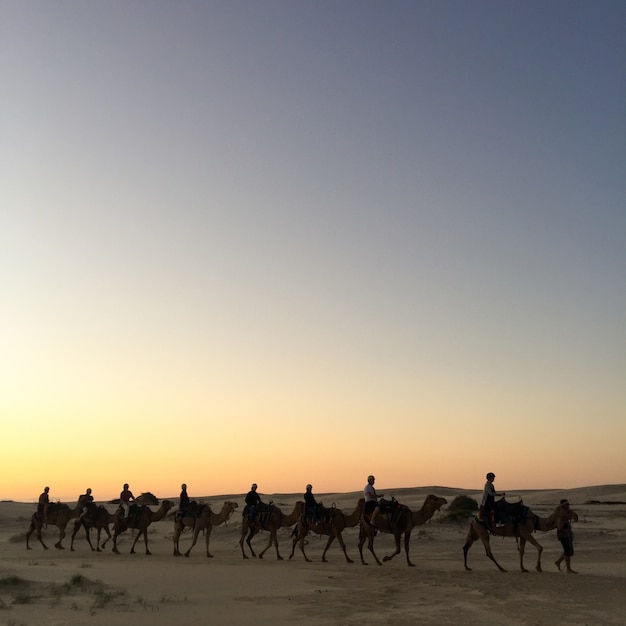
pixel 286 242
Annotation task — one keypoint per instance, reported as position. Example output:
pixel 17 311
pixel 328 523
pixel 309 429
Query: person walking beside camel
pixel 488 502
pixel 125 497
pixel 371 500
pixel 565 535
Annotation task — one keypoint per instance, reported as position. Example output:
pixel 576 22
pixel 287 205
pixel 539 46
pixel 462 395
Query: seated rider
pixel 86 500
pixel 42 505
pixel 125 497
pixel 372 507
pixel 311 506
pixel 183 504
pixel 488 502
pixel 253 501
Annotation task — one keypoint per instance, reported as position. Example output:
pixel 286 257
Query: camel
pixel 271 521
pixel 522 530
pixel 398 524
pixel 333 528
pixel 58 515
pixel 139 518
pixel 206 520
pixel 98 518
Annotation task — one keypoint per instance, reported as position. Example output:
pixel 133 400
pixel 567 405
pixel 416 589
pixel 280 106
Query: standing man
pixel 125 497
pixel 565 535
pixel 42 505
pixel 371 500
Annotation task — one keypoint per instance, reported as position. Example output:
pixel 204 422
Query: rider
pixel 311 505
pixel 183 504
pixel 488 502
pixel 85 500
pixel 371 500
pixel 125 497
pixel 253 501
pixel 42 505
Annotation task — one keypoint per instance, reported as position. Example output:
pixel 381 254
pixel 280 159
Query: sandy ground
pixel 60 587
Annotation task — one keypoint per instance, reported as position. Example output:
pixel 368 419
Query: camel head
pixel 434 502
pixel 229 508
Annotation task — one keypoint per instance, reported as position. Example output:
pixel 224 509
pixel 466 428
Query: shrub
pixel 461 508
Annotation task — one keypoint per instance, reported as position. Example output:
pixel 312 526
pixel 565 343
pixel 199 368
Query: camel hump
pixel 54 508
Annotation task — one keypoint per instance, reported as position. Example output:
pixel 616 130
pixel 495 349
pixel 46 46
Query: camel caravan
pixel 372 514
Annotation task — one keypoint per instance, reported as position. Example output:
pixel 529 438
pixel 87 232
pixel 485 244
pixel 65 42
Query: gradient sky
pixel 291 242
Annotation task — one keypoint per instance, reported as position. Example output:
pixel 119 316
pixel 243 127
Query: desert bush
pixel 461 508
pixel 12 581
pixel 147 498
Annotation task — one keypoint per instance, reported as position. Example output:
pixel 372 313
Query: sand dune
pixel 59 587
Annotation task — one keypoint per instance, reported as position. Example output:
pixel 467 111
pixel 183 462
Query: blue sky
pixel 400 224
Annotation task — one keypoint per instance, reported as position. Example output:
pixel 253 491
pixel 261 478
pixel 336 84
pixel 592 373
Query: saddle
pixel 319 514
pixel 134 512
pixel 263 512
pixel 392 510
pixel 511 512
pixel 193 510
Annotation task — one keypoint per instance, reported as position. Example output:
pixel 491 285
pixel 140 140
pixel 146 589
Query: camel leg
pixel 397 538
pixel 116 534
pixel 35 527
pixel 299 538
pixel 273 540
pixel 471 536
pixel 144 532
pixel 341 543
pixel 331 538
pixel 100 533
pixel 208 536
pixel 251 532
pixel 194 538
pixel 76 528
pixel 370 547
pixel 88 535
pixel 367 533
pixel 362 538
pixel 145 540
pixel 485 541
pixel 296 539
pixel 269 545
pixel 407 540
pixel 108 536
pixel 537 545
pixel 175 539
pixel 58 544
pixel 243 552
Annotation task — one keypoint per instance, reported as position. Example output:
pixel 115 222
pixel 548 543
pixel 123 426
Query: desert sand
pixel 61 587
